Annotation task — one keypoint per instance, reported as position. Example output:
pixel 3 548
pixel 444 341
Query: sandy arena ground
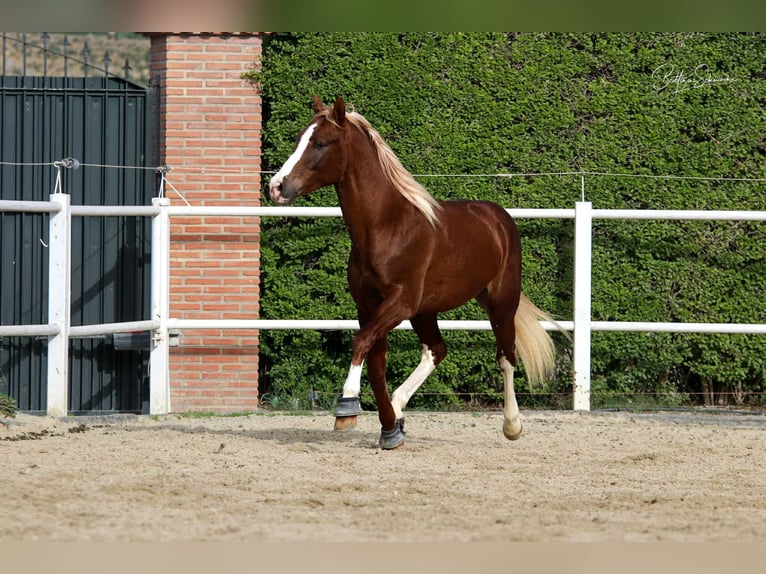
pixel 277 477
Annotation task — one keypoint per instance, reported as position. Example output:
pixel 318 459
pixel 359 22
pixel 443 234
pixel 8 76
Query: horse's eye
pixel 320 145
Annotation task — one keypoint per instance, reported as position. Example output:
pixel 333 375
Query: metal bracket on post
pixel 582 304
pixel 159 359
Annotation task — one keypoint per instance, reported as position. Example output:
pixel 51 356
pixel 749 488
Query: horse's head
pixel 319 157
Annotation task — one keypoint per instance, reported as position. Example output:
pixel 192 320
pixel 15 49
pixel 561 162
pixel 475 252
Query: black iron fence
pixel 56 103
pixel 46 54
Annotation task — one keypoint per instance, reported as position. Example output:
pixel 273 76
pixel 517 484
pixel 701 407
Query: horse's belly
pixel 446 288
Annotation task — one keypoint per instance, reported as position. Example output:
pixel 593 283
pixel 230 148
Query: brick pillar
pixel 210 135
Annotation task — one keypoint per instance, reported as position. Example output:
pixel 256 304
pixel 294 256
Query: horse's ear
pixel 318 105
pixel 339 110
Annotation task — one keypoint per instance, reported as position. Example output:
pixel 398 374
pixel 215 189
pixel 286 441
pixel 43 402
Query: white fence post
pixel 159 359
pixel 59 305
pixel 582 304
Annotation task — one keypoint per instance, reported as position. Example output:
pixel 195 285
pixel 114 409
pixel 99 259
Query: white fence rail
pixel 59 331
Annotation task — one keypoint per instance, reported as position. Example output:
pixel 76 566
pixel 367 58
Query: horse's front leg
pixel 371 342
pixel 349 406
pixel 392 431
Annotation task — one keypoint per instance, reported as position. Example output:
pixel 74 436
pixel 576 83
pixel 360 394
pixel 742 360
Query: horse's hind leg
pixel 502 319
pixel 433 351
pixel 512 427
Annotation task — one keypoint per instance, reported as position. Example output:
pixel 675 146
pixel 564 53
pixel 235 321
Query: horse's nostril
pixel 275 189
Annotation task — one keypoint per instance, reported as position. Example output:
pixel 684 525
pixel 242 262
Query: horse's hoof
pixel 343 424
pixel 512 431
pixel 348 407
pixel 391 439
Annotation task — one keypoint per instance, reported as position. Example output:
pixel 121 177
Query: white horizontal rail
pixel 238 211
pixel 333 324
pixel 29 206
pixel 77 331
pixel 28 330
pixel 679 215
pixel 114 210
pixel 542 213
pixel 642 214
pixel 468 325
pixel 79 210
pixel 649 327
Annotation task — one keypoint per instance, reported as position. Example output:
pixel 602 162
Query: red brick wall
pixel 210 135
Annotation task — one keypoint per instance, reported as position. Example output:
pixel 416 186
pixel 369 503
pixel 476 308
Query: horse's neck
pixel 368 199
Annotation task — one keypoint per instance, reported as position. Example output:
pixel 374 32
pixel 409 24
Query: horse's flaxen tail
pixel 534 346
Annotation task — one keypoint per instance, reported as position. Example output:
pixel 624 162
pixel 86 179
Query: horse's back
pixel 477 224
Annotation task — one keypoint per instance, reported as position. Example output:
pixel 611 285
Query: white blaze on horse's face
pixel 275 185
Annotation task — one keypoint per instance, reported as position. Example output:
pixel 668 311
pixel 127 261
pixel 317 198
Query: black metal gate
pixel 106 124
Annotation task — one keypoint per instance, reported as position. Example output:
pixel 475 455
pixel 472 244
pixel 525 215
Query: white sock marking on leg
pixel 510 407
pixel 353 384
pixel 403 394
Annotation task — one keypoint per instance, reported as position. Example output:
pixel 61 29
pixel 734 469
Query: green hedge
pixel 489 103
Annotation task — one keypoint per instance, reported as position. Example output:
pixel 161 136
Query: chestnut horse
pixel 413 257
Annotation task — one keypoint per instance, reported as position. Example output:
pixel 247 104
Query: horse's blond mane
pixel 401 179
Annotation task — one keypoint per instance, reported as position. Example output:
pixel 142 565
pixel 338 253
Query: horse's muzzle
pixel 282 193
